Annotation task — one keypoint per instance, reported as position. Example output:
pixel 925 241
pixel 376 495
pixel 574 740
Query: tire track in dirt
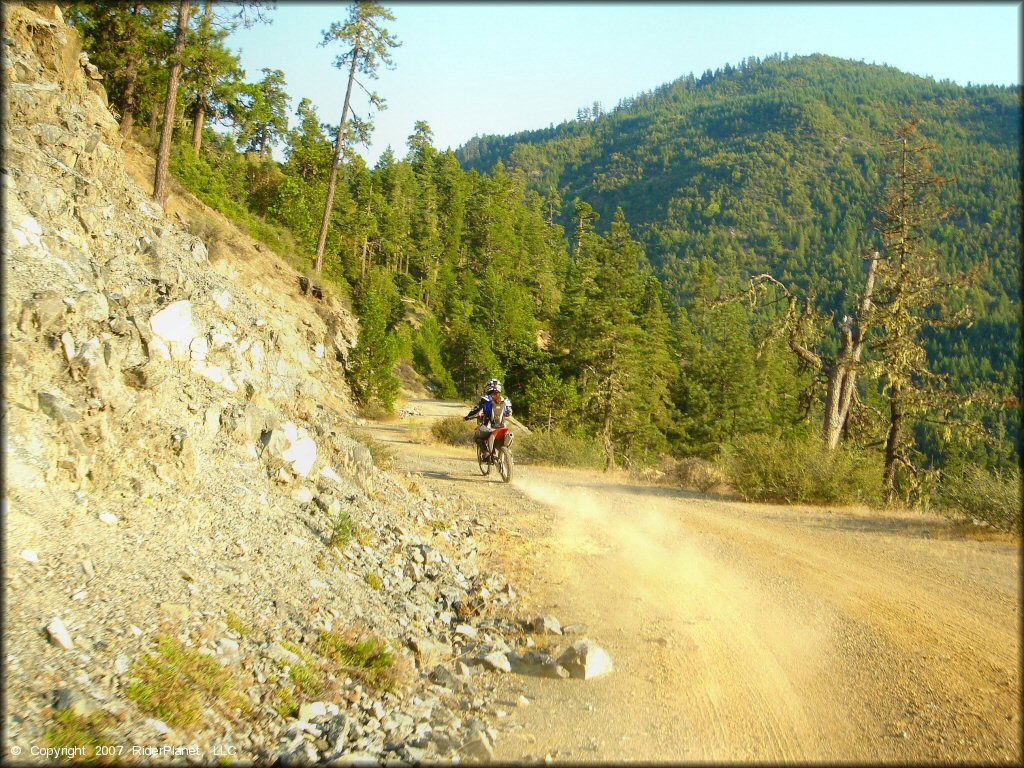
pixel 748 632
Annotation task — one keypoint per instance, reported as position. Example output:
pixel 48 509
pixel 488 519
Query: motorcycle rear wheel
pixel 505 464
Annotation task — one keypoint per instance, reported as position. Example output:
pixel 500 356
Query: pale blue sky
pixel 480 68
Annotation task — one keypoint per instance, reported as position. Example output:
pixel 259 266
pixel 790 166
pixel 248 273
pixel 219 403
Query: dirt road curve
pixel 746 632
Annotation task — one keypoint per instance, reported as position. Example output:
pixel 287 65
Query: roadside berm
pixel 202 558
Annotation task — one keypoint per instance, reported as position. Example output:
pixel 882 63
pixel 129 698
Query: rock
pixel 174 325
pixel 574 629
pixel 175 610
pixel 59 634
pixel 584 660
pixel 478 746
pixel 546 625
pixel 278 652
pixel 108 517
pixel 496 661
pixel 74 701
pixel 466 630
pixel 56 406
pixel 302 495
pixel 146 376
pixel 292 446
pixel 441 675
pixel 429 652
pixel 312 711
pixel 30 555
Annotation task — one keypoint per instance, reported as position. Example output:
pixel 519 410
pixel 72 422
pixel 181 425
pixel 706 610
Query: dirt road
pixel 746 632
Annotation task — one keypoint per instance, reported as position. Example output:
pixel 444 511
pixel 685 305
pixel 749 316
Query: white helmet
pixel 493 386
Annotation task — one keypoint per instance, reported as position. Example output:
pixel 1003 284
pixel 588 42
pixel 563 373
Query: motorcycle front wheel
pixel 505 464
pixel 483 461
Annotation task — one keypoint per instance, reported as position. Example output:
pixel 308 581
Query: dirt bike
pixel 500 454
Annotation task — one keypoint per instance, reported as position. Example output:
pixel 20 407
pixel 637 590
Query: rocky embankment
pixel 200 560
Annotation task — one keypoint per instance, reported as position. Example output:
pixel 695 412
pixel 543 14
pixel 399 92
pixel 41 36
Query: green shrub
pixel 343 530
pixel 451 430
pixel 800 470
pixel 82 731
pixel 173 683
pixel 366 658
pixel 992 499
pixel 558 449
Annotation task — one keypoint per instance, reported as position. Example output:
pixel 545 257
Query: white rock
pixel 302 495
pixel 318 350
pixel 135 630
pixel 302 453
pixel 59 634
pixel 176 327
pixel 157 350
pixel 497 661
pixel 28 554
pixel 158 725
pixel 584 659
pixel 311 711
pixel 198 348
pixel 466 630
pixel 328 473
pixel 27 231
pixel 68 342
pixel 222 299
pixel 108 517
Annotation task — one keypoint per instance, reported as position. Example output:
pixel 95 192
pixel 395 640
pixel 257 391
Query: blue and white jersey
pixel 494 416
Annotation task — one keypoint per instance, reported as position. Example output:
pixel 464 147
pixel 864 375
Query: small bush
pixel 306 679
pixel 236 624
pixel 992 499
pixel 374 581
pixel 172 683
pixel 86 731
pixel 698 474
pixel 558 449
pixel 367 658
pixel 451 430
pixel 285 702
pixel 795 470
pixel 343 530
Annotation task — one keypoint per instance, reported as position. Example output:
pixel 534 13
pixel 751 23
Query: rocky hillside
pixel 200 560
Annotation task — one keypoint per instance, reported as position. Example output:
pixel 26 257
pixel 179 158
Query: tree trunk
pixel 163 154
pixel 892 441
pixel 197 125
pixel 154 114
pixel 333 180
pixel 606 427
pixel 131 76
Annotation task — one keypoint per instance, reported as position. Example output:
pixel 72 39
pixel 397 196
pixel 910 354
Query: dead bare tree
pixel 839 373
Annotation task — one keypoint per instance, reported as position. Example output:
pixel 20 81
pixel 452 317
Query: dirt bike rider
pixel 490 412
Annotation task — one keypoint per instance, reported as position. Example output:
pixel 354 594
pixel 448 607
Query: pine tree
pixel 368 44
pixel 370 365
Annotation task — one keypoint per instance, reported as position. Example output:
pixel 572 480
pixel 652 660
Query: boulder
pixel 585 659
pixel 175 327
pixel 291 446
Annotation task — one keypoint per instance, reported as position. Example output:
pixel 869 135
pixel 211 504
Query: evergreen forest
pixel 642 279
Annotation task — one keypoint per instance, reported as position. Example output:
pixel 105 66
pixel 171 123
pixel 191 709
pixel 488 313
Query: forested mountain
pixel 779 165
pixel 597 267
